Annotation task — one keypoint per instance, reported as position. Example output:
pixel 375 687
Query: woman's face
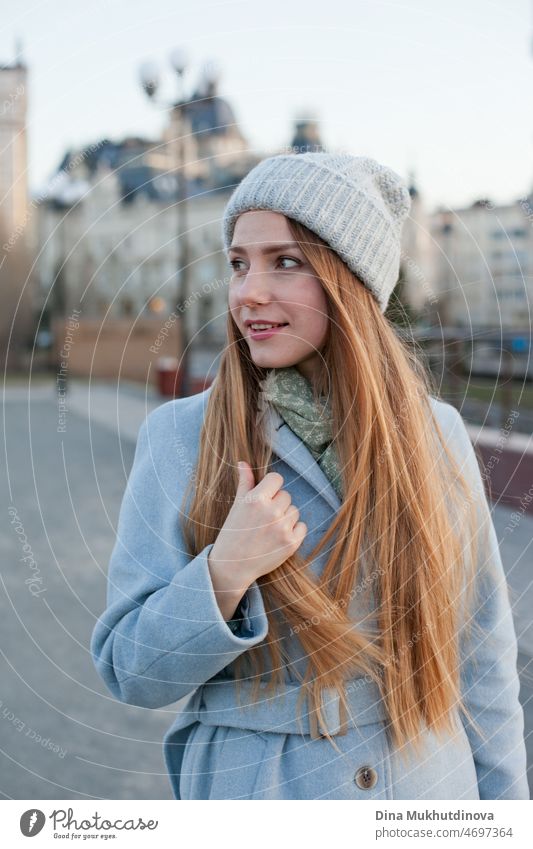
pixel 272 282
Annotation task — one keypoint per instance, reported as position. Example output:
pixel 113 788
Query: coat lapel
pixel 290 448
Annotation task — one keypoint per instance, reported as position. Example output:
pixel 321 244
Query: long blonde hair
pixel 403 511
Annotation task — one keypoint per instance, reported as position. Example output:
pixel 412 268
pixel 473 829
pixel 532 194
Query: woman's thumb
pixel 246 477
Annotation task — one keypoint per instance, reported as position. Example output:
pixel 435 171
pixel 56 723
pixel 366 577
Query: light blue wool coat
pixel 162 638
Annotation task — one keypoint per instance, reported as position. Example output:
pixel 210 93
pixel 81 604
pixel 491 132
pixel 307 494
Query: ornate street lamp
pixel 149 74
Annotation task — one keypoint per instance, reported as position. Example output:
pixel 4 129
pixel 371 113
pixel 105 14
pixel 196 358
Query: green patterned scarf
pixel 292 395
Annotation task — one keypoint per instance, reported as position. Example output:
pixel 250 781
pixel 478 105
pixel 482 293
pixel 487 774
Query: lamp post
pixel 150 82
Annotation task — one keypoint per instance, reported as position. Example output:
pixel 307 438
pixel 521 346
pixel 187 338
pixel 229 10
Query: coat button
pixel 366 777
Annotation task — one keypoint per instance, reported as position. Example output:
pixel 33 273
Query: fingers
pixel 246 478
pixel 270 485
pixel 301 530
pixel 293 515
pixel 282 500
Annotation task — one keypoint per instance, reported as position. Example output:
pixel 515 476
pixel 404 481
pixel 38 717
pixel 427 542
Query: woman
pixel 305 549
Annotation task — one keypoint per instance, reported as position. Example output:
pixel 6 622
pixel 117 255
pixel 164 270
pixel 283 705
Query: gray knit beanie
pixel 354 204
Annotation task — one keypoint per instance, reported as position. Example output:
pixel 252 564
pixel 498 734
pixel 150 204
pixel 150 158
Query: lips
pixel 264 321
pixel 265 332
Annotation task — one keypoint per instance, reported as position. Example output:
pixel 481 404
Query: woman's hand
pixel 261 531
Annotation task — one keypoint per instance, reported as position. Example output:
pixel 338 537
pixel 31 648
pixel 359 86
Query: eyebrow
pixel 285 246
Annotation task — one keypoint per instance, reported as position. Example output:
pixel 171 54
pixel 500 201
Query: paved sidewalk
pixel 123 411
pixel 63 736
pixel 120 408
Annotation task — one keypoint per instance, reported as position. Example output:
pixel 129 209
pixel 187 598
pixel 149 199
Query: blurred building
pixel 215 150
pixel 417 256
pixel 16 223
pixel 483 264
pixel 110 235
pixel 306 136
pixel 111 228
pixel 13 146
pixel 111 231
pixel 110 225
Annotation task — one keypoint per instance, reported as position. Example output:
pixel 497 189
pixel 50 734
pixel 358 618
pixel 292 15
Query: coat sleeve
pixel 489 679
pixel 162 634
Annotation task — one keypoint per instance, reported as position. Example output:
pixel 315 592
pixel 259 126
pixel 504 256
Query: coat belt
pixel 221 705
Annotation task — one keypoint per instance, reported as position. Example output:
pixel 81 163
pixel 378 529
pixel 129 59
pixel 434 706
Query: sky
pixel 442 88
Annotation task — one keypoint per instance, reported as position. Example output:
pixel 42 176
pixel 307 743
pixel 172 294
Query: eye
pixel 234 263
pixel 290 258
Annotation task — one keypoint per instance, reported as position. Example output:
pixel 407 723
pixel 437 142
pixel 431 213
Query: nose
pixel 255 287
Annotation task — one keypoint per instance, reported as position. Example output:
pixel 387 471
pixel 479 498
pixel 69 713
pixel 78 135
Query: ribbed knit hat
pixel 354 204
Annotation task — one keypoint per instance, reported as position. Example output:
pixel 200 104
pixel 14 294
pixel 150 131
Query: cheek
pixel 319 329
pixel 233 305
pixel 316 313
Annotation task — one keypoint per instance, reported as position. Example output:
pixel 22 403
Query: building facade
pixel 115 220
pixel 17 230
pixel 13 147
pixel 483 264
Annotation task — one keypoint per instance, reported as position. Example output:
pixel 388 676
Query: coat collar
pixel 290 448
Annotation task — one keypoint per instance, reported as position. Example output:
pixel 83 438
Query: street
pixel 62 735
